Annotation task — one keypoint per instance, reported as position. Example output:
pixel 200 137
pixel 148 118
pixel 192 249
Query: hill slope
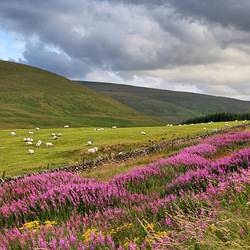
pixel 170 106
pixel 32 97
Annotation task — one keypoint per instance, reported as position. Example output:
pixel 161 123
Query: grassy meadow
pixel 72 146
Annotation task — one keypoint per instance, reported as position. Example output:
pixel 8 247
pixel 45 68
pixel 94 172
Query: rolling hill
pixel 169 106
pixel 32 97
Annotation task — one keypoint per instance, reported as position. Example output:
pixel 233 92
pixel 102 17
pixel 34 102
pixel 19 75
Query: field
pixel 198 198
pixel 72 146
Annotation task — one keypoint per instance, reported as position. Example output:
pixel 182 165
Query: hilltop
pixel 32 97
pixel 166 105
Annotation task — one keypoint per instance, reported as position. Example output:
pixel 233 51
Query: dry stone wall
pixel 78 168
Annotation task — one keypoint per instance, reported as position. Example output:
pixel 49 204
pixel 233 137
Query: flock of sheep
pixel 29 141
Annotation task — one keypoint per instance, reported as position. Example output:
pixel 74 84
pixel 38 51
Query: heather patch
pixel 189 200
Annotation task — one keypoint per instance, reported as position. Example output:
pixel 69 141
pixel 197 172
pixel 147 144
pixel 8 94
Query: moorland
pixel 192 196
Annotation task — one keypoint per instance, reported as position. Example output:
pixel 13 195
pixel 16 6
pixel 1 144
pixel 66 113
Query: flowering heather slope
pixel 188 200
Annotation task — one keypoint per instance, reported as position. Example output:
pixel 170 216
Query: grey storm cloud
pixel 196 42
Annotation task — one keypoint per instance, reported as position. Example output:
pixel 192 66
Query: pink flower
pixel 169 221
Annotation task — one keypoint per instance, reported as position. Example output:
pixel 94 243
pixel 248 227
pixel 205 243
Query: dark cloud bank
pixel 200 46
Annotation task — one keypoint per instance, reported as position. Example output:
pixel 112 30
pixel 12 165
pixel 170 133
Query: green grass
pixel 33 97
pixel 169 106
pixel 72 146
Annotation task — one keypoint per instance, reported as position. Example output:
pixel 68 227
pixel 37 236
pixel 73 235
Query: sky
pixel 199 46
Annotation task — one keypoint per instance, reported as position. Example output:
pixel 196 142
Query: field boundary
pixel 119 158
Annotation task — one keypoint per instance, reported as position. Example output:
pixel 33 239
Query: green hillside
pixel 170 106
pixel 32 97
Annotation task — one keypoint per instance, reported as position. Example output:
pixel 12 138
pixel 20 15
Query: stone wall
pixel 78 168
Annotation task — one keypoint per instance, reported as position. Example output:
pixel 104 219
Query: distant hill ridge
pixel 31 97
pixel 169 106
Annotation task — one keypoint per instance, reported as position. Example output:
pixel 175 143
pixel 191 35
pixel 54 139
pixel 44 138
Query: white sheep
pixel 215 130
pixel 143 133
pixel 40 142
pixel 29 143
pixel 60 134
pixel 30 132
pixel 114 127
pixel 48 144
pixel 92 150
pixel 37 129
pixel 55 137
pixel 38 145
pixel 29 139
pixel 66 126
pixel 24 139
pixel 13 133
pixel 90 143
pixel 30 151
pixel 53 134
pixel 204 128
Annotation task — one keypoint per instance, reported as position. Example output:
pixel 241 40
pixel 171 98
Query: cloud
pixel 199 46
pixel 228 13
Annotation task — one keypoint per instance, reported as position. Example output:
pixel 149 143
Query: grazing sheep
pixel 90 143
pixel 29 143
pixel 143 133
pixel 243 122
pixel 92 150
pixel 24 139
pixel 28 139
pixel 30 132
pixel 12 133
pixel 60 134
pixel 40 142
pixel 37 129
pixel 30 151
pixel 48 144
pixel 215 130
pixel 66 126
pixel 55 137
pixel 100 129
pixel 114 127
pixel 38 145
pixel 204 128
pixel 53 134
